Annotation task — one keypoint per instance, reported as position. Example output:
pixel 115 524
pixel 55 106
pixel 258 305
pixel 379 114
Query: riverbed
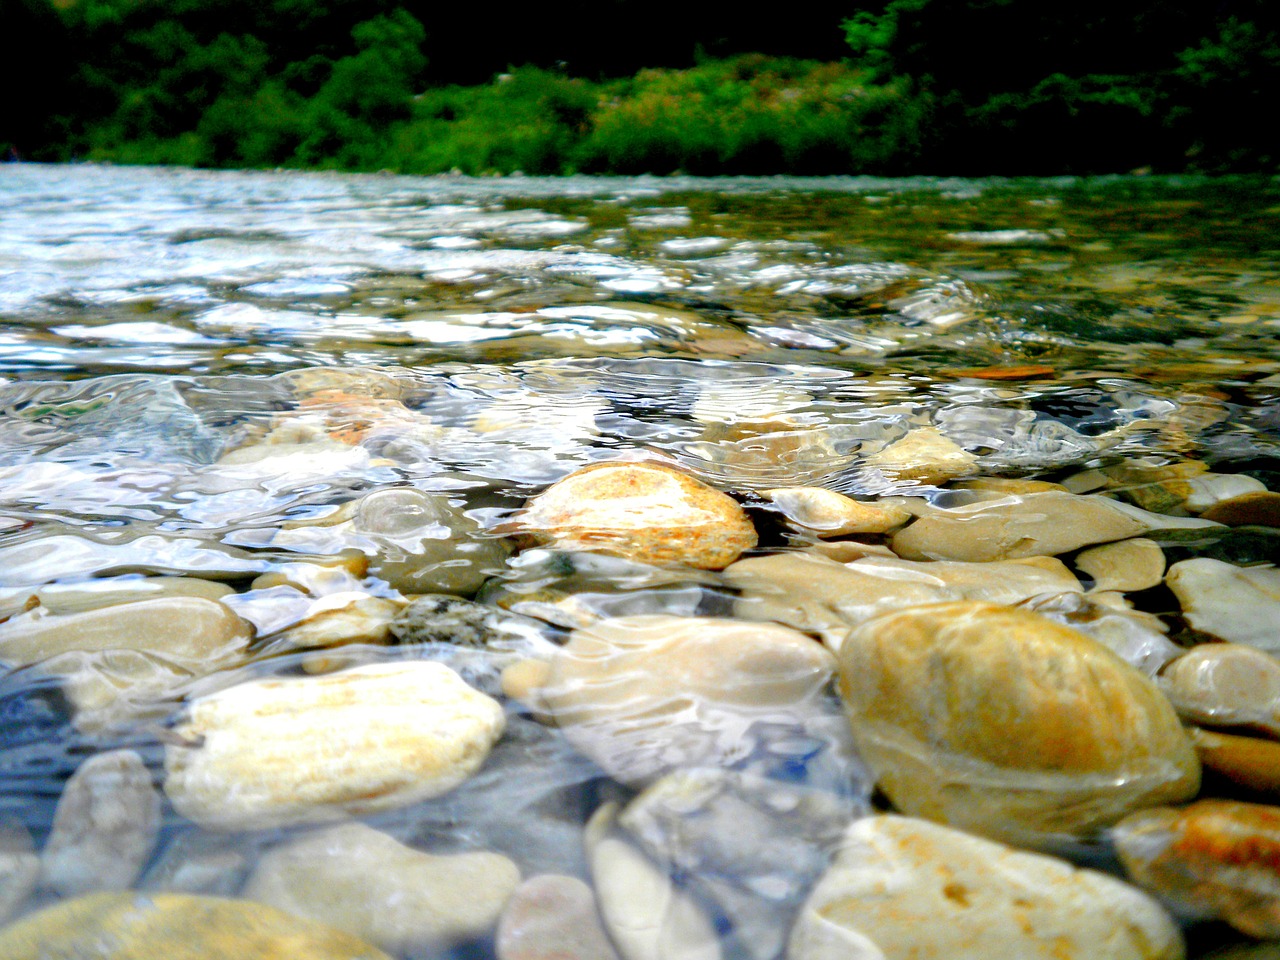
pixel 306 410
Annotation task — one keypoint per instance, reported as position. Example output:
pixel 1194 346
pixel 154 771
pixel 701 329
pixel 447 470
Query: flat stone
pixel 1005 723
pixel 104 828
pixel 192 632
pixel 924 455
pixel 1031 525
pixel 1251 762
pixel 553 917
pixel 19 869
pixel 67 598
pixel 70 556
pixel 642 511
pixel 1226 685
pixel 1218 858
pixel 1237 604
pixel 647 916
pixel 135 926
pixel 306 750
pixel 372 886
pixel 643 695
pixel 900 887
pixel 1261 509
pixel 831 514
pixel 818 595
pixel 1136 564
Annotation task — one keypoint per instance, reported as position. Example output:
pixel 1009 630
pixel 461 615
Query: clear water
pixel 153 320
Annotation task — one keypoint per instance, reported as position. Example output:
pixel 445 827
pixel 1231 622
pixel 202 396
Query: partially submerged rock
pixel 643 511
pixel 313 749
pixel 901 887
pixel 1003 722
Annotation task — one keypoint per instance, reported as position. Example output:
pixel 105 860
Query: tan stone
pixel 372 886
pixel 341 619
pixel 820 596
pixel 1005 486
pixel 314 749
pixel 1261 508
pixel 1136 564
pixel 1251 762
pixel 831 514
pixel 115 689
pixel 643 695
pixel 135 926
pixel 1237 604
pixel 1003 722
pixel 67 598
pixel 905 888
pixel 924 455
pixel 1226 685
pixel 1215 857
pixel 642 511
pixel 192 632
pixel 1031 525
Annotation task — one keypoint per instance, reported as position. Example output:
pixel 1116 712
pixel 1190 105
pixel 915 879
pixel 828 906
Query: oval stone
pixel 1214 858
pixel 900 887
pixel 643 511
pixel 1001 721
pixel 313 749
pixel 129 926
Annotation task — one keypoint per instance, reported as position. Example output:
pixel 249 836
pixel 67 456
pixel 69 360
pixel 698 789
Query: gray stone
pixel 553 917
pixel 19 869
pixel 104 828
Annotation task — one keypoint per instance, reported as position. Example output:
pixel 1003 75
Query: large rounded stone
pixel 126 926
pixel 643 511
pixel 314 749
pixel 647 694
pixel 1004 722
pixel 902 888
pixel 369 884
pixel 1214 858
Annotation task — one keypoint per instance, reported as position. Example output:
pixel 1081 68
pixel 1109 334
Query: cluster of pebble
pixel 974 648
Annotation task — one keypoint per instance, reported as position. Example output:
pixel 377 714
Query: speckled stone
pixel 135 926
pixel 642 511
pixel 313 749
pixel 104 828
pixel 372 886
pixel 643 695
pixel 1005 723
pixel 1215 857
pixel 553 917
pixel 905 888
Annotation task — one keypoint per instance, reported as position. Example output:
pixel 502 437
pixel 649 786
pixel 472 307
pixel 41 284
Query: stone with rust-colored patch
pixel 905 888
pixel 134 926
pixel 642 511
pixel 1216 857
pixel 1000 721
pixel 1261 508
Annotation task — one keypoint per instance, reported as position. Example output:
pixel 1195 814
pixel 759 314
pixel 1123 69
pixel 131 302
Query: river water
pixel 155 321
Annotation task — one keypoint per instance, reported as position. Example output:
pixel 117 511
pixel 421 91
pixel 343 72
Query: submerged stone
pixel 901 887
pixel 1226 685
pixel 104 828
pixel 372 886
pixel 1135 564
pixel 1218 858
pixel 1003 722
pixel 924 455
pixel 643 511
pixel 553 917
pixel 1237 604
pixel 135 926
pixel 831 514
pixel 313 749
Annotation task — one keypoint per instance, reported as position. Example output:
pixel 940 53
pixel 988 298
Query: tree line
pixel 970 87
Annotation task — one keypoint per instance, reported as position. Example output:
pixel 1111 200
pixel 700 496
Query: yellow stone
pixel 924 455
pixel 1136 564
pixel 1000 721
pixel 831 514
pixel 642 511
pixel 130 926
